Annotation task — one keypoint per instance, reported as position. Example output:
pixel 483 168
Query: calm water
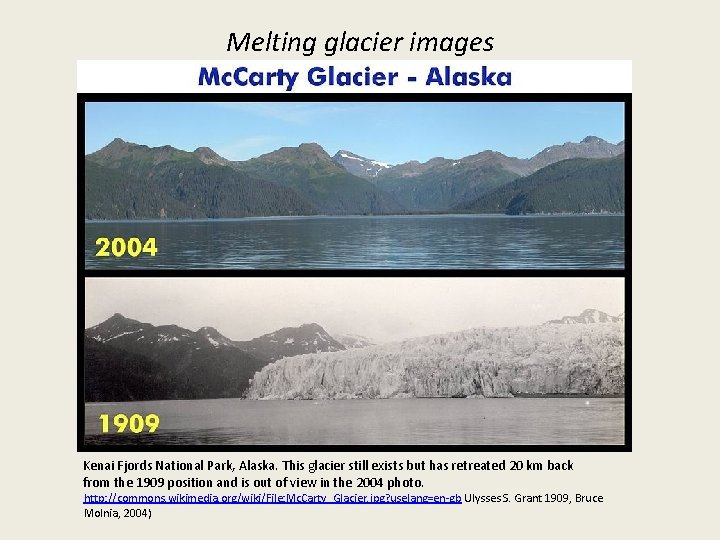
pixel 554 421
pixel 371 242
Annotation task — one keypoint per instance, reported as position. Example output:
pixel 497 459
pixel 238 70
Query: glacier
pixel 584 359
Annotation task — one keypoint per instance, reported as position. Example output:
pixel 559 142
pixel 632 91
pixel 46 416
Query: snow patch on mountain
pixel 354 341
pixel 589 316
pixel 98 338
pixel 359 165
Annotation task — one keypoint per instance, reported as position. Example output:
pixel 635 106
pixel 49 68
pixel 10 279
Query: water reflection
pixel 372 242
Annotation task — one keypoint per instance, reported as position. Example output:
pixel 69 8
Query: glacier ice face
pixel 483 362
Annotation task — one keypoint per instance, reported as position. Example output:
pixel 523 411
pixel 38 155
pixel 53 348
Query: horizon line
pixel 345 150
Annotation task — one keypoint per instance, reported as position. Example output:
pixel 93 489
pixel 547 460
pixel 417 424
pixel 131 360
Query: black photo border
pixel 625 273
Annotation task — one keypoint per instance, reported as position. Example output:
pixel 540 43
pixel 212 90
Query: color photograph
pixel 354 185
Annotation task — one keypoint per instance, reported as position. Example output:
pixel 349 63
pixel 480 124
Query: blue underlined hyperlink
pixel 286 502
pixel 269 498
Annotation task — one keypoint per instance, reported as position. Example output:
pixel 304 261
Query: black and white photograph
pixel 356 361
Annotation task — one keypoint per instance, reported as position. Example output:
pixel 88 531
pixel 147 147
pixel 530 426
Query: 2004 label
pixel 120 247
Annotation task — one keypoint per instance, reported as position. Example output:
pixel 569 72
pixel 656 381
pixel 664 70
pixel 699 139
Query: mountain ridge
pixel 130 181
pixel 292 341
pixel 589 316
pixel 178 363
pixel 308 169
pixel 125 180
pixel 578 185
pixel 442 184
pixel 591 147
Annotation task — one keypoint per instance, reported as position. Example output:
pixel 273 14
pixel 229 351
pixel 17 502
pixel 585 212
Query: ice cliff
pixel 482 362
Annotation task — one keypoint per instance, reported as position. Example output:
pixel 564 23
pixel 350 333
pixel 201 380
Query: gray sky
pixel 383 309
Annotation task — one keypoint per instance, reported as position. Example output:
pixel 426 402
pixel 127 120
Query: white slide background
pixel 663 489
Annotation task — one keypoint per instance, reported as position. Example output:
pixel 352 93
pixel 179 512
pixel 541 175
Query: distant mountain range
pixel 124 180
pixel 589 316
pixel 441 183
pixel 128 360
pixel 577 185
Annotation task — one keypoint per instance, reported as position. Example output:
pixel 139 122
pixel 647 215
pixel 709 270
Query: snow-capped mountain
pixel 443 183
pixel 177 342
pixel 121 332
pixel 353 341
pixel 358 165
pixel 589 316
pixel 291 341
pixel 127 359
pixel 215 338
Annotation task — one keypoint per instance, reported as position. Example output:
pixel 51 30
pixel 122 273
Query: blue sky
pixel 390 132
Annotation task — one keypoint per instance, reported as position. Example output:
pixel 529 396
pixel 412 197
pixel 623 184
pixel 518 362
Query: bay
pixel 506 421
pixel 370 242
